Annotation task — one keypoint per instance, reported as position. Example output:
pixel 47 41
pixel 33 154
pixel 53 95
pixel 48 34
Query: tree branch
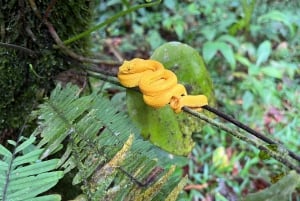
pixel 17 47
pixel 69 52
pixel 279 156
pixel 248 129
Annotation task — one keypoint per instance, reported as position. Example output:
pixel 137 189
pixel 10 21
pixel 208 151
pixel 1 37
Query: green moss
pixel 21 86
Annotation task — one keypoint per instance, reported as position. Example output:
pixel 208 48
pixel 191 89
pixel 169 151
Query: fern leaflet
pixel 97 140
pixel 23 176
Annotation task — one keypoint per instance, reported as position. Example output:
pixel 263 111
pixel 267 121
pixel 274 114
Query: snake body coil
pixel 158 85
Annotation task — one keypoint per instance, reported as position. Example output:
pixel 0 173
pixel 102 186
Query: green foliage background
pixel 251 49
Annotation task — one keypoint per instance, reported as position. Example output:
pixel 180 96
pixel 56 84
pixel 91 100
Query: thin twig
pixel 105 78
pixel 49 9
pixel 248 129
pixel 17 47
pixel 110 20
pixel 279 156
pixel 101 71
pixel 69 52
pixel 35 9
pixel 103 68
pixel 31 34
pixel 57 39
pixel 113 49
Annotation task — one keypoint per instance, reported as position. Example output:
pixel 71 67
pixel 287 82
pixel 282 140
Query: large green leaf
pixel 210 49
pixel 170 131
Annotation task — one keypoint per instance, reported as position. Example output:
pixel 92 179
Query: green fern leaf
pixel 23 176
pixel 91 135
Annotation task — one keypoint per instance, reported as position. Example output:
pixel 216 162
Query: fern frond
pixel 23 176
pixel 99 141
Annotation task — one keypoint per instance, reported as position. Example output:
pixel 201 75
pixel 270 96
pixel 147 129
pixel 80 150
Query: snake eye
pixel 129 67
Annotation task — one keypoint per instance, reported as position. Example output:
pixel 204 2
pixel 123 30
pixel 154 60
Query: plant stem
pixel 109 20
pixel 10 165
pixel 69 52
pixel 248 129
pixel 279 156
pixel 105 78
pixel 17 47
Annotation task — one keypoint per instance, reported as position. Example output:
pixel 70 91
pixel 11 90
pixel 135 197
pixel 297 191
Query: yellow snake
pixel 158 85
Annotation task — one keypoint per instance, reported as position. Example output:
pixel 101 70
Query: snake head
pixel 138 65
pixel 130 72
pixel 126 67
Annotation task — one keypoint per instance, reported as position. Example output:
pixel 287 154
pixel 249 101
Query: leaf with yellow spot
pixel 167 130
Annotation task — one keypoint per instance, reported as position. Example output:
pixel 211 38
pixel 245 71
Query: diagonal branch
pixel 279 156
pixel 110 20
pixel 69 52
pixel 247 129
pixel 57 39
pixel 18 47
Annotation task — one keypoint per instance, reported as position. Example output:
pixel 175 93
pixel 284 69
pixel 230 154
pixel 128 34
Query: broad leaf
pixel 170 131
pixel 230 39
pixel 272 71
pixel 211 48
pixel 209 51
pixel 280 17
pixel 263 52
pixel 227 52
pixel 247 100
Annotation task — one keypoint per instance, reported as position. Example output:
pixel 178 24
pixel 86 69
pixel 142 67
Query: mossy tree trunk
pixel 29 61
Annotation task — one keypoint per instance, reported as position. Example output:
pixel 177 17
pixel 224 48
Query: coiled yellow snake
pixel 158 85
